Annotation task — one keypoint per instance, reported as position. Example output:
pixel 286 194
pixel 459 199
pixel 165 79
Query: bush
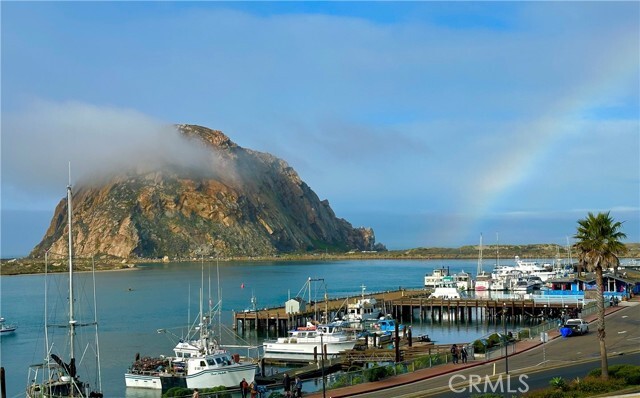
pixel 596 385
pixel 629 373
pixel 375 373
pixel 479 347
pixel 558 383
pixel 422 362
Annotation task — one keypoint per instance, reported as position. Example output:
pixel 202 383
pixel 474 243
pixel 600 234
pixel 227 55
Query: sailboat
pixel 483 280
pixel 199 362
pixel 55 378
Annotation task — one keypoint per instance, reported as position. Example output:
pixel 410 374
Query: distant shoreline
pixel 26 265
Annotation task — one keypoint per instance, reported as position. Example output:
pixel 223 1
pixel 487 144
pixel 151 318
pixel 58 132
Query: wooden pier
pixel 405 306
pixel 277 319
pixel 462 310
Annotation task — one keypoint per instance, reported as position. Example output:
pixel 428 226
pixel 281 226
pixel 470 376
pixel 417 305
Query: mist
pixel 40 140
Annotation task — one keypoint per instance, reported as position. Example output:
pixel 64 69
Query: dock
pixel 277 319
pixel 462 309
pixel 405 305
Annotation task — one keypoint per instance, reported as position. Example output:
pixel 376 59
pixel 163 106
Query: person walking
pixel 298 386
pixel 463 353
pixel 254 389
pixel 454 353
pixel 286 383
pixel 244 388
pixel 196 394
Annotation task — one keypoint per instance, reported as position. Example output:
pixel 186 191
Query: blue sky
pixel 430 122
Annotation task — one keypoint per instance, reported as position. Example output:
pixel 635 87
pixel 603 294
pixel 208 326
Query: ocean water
pixel 132 305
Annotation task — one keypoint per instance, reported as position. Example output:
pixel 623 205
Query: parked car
pixel 577 326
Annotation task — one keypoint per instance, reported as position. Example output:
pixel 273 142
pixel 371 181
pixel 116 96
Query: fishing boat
pixel 197 363
pixel 6 327
pixel 303 343
pixel 363 309
pixel 55 377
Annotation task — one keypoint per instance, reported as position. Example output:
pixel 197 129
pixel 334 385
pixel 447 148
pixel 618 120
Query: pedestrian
pixel 463 352
pixel 196 394
pixel 298 386
pixel 254 389
pixel 286 383
pixel 244 388
pixel 454 353
pixel 610 301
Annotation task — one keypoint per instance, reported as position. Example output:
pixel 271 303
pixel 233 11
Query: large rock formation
pixel 246 203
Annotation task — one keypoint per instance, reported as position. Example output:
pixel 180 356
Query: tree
pixel 598 245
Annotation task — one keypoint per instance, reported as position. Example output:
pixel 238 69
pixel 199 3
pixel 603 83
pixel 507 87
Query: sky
pixel 431 122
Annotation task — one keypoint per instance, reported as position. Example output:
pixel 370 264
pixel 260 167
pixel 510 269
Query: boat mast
pixel 497 251
pixel 479 270
pixel 72 321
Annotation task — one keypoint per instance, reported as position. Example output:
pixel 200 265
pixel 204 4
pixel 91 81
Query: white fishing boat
pixel 197 363
pixel 438 278
pixel 304 343
pixel 522 285
pixel 483 282
pixel 363 309
pixel 6 327
pixel 464 281
pixel 55 378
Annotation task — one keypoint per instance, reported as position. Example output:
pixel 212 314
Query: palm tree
pixel 598 245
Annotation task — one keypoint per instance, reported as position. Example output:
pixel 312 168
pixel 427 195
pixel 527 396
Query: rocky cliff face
pixel 244 203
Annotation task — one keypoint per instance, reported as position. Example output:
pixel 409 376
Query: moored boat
pixel 363 309
pixel 197 363
pixel 304 343
pixel 55 377
pixel 6 327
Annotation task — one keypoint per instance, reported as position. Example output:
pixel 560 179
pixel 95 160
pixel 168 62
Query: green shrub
pixel 421 362
pixel 340 381
pixel 479 347
pixel 494 340
pixel 375 373
pixel 596 385
pixel 558 383
pixel 276 394
pixel 629 373
pixel 524 334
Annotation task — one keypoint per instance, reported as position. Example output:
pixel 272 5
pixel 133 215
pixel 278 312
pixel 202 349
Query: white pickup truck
pixel 578 326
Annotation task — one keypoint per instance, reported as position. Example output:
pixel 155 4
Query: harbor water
pixel 133 305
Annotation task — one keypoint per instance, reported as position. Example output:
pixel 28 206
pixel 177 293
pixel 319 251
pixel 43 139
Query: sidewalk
pixel 422 374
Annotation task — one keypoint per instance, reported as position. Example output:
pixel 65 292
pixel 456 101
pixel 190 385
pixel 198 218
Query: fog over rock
pixel 215 198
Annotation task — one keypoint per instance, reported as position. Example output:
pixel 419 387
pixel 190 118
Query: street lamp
pixel 506 340
pixel 324 390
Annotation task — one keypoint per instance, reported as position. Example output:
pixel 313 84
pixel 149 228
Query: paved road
pixel 518 383
pixel 623 336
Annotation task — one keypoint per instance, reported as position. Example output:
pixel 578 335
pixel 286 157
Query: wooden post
pixel 397 342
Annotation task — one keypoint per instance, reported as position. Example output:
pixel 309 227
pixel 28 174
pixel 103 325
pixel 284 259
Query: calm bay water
pixel 133 305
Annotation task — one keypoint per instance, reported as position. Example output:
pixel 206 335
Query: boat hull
pixel 229 376
pixel 152 382
pixel 304 351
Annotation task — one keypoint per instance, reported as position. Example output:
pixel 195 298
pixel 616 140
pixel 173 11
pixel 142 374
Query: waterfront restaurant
pixel 624 285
